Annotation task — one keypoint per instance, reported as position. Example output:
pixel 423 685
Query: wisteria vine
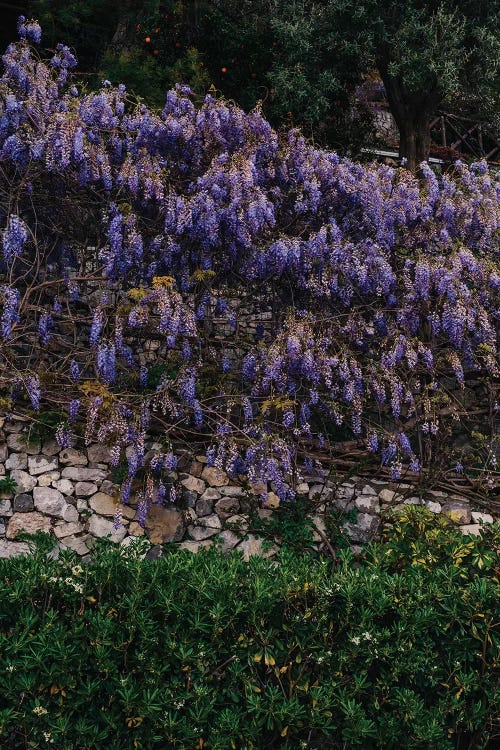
pixel 194 271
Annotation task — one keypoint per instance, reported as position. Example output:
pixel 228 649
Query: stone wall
pixel 70 493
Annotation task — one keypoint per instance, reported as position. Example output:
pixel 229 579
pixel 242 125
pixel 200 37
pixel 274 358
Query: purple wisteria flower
pixel 277 295
pixel 14 237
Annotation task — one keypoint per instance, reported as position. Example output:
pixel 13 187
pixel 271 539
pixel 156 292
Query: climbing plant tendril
pixel 194 271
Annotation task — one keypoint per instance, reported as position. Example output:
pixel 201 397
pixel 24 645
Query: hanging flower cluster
pixel 192 267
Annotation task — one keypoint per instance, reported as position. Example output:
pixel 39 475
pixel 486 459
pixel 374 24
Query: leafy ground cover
pixel 206 651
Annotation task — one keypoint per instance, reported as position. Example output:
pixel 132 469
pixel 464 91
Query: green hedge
pixel 206 651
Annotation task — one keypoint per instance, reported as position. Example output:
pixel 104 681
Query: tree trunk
pixel 413 112
pixel 414 141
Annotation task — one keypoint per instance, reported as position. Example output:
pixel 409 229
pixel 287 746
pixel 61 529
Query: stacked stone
pixel 70 494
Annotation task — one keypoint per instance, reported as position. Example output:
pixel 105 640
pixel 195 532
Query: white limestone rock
pixel 48 500
pixel 206 527
pixel 103 527
pixel 24 482
pixel 83 474
pixel 73 457
pixel 85 489
pixel 17 461
pixel 193 484
pixel 65 486
pixel 41 465
pixel 45 480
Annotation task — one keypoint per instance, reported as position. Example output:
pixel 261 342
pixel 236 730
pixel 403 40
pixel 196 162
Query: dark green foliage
pixel 290 525
pixel 206 651
pixel 45 425
pixel 7 485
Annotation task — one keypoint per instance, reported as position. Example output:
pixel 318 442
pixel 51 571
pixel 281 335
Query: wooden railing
pixel 465 136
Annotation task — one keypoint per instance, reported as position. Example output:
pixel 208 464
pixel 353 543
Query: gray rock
pixel 227 506
pixel 41 465
pixel 103 527
pixel 65 486
pixel 238 523
pixel 317 492
pixel 69 513
pixel 193 484
pixel 2 528
pixel 164 525
pixel 253 545
pixel 18 442
pixel 204 506
pixel 24 483
pixel 49 501
pixel 413 501
pixel 13 549
pixel 50 448
pixel 5 507
pixel 473 529
pixel 110 488
pixel 82 474
pixel 99 454
pixel 45 480
pixel 17 461
pixel 206 527
pixel 79 544
pixel 318 525
pixel 367 490
pixel 29 523
pixel 154 552
pixel 23 504
pixel 272 501
pixel 188 498
pixel 368 503
pixel 195 468
pixel 389 496
pixel 211 494
pixel 364 530
pixel 73 457
pixel 214 477
pixel 232 491
pixel 477 517
pixel 229 540
pixel 85 489
pixel 103 504
pixel 4 452
pixel 432 506
pixel 62 530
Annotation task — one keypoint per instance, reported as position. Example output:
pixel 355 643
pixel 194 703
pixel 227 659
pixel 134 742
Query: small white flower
pixel 39 710
pixel 10 668
pixel 356 640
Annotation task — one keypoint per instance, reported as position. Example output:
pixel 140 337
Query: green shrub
pixel 206 651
